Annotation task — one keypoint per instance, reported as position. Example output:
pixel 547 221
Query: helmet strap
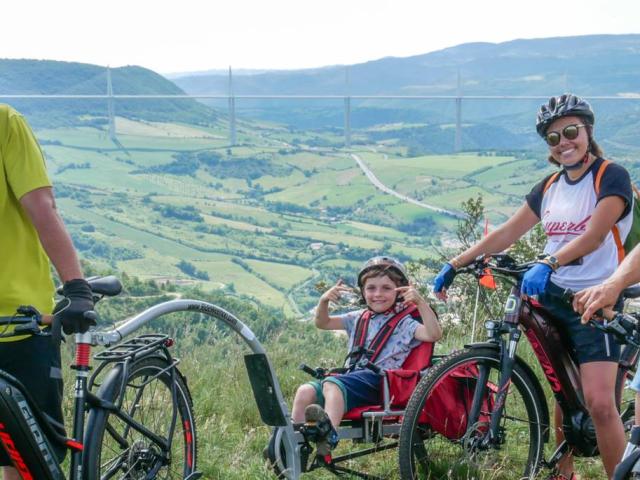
pixel 579 164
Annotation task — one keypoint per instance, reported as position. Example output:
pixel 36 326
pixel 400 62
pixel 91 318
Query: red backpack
pixel 447 409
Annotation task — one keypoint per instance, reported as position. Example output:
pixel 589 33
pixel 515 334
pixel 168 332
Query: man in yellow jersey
pixel 32 234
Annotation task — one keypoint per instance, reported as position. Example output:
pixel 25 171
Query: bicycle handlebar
pixel 624 327
pixel 318 373
pixel 29 320
pixel 499 263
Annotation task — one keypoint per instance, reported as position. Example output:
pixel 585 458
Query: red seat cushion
pixel 401 381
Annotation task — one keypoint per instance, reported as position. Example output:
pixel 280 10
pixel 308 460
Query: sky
pixel 197 35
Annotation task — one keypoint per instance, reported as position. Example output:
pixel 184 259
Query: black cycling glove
pixel 71 310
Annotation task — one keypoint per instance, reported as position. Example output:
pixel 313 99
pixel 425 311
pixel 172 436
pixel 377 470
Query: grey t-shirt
pixel 399 345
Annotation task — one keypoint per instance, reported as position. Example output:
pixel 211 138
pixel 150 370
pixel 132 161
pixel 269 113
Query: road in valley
pixel 382 187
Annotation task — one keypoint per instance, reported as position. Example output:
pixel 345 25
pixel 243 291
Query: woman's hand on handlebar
pixel 536 279
pixel 587 302
pixel 443 281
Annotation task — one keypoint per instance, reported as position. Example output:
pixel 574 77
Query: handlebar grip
pixel 91 315
pixel 307 369
pixel 568 295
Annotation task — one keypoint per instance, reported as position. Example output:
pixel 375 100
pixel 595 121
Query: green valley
pixel 265 219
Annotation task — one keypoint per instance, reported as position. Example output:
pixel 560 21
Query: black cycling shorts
pixel 588 343
pixel 35 362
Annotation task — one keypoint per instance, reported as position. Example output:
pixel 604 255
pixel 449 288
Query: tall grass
pixel 230 433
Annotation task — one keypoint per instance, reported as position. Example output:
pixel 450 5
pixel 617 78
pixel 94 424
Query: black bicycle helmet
pixel 384 263
pixel 563 106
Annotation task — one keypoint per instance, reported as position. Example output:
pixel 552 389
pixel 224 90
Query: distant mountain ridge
pixel 594 65
pixel 20 77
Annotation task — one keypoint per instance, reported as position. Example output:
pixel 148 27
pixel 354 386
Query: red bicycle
pixel 505 437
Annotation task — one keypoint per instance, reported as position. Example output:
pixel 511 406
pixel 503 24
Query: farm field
pixel 173 202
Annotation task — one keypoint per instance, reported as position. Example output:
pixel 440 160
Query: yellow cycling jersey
pixel 25 275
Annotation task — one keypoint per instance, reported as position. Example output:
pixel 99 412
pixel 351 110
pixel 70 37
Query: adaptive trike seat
pixel 290 448
pixel 366 424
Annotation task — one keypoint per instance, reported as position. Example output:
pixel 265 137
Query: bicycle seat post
pixel 82 367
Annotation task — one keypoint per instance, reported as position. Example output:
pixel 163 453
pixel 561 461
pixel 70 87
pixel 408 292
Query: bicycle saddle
pixel 109 286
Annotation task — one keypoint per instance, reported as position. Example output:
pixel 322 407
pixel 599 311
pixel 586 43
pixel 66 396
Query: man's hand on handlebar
pixel 589 301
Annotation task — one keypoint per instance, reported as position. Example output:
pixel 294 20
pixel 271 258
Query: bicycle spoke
pixel 443 451
pixel 128 453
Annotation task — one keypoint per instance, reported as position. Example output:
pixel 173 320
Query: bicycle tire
pixel 426 454
pixel 625 399
pixel 147 399
pixel 625 396
pixel 270 453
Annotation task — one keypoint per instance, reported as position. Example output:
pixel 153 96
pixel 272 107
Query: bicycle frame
pixel 559 367
pixel 84 398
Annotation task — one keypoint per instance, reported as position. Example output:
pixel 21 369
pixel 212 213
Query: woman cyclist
pixel 585 231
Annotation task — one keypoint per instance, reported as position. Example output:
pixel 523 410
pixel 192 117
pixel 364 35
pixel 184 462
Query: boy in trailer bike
pixel 388 296
pixel 585 209
pixel 32 235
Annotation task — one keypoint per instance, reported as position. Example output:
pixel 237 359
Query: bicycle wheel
pixel 115 450
pixel 625 396
pixel 455 450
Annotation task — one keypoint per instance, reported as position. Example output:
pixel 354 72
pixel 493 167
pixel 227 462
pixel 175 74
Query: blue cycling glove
pixel 444 279
pixel 535 280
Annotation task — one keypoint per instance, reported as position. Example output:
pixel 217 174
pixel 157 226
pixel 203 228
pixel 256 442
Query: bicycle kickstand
pixel 561 451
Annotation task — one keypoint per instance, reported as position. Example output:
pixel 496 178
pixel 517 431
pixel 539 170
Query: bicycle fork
pixel 507 363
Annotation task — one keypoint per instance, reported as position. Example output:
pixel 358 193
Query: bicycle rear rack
pixel 132 349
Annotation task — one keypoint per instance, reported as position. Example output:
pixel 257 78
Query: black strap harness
pixel 371 352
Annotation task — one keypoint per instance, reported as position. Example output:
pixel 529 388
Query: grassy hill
pixel 21 77
pixel 230 433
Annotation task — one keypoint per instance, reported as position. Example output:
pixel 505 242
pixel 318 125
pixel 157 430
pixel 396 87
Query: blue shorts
pixel 359 388
pixel 588 343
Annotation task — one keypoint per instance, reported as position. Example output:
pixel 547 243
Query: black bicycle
pixel 507 423
pixel 139 413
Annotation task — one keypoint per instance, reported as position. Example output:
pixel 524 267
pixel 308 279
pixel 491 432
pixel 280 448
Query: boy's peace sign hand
pixel 335 292
pixel 411 295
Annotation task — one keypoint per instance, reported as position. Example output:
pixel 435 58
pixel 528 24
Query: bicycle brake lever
pixel 599 325
pixel 28 328
pixel 616 328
